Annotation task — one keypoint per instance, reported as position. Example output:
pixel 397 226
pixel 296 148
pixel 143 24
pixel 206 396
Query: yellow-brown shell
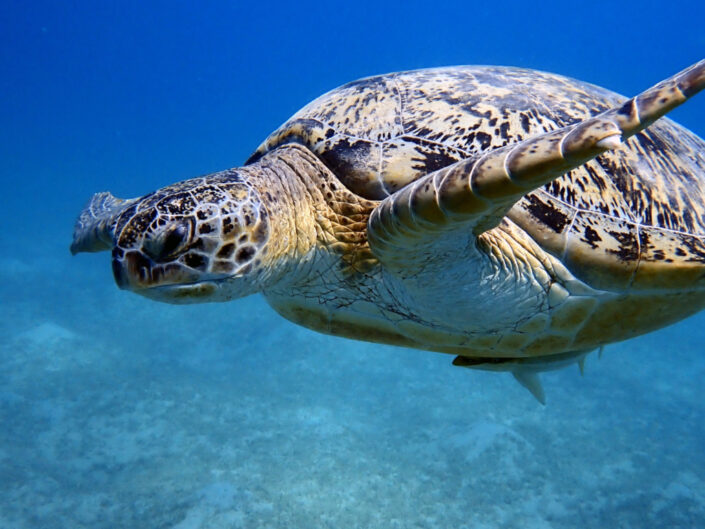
pixel 624 218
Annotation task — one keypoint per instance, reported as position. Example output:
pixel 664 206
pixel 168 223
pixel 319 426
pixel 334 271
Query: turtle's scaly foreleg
pixel 476 193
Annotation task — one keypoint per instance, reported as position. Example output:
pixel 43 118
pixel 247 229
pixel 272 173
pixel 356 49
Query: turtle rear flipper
pixel 526 371
pixel 94 227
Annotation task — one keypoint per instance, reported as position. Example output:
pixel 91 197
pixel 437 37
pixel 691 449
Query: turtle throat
pixel 315 220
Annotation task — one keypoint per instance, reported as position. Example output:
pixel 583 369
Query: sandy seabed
pixel 120 412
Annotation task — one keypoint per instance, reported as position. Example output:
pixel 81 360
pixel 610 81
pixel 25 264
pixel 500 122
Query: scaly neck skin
pixel 313 218
pixel 320 256
pixel 327 279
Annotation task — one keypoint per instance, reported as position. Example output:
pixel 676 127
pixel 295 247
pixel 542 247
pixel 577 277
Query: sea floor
pixel 118 412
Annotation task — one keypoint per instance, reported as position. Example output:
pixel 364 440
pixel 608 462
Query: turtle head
pixel 200 240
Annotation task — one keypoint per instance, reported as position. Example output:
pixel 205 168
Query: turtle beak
pixel 130 270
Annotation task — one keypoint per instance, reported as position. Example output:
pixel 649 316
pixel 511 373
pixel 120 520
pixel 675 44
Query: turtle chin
pixel 200 292
pixel 205 291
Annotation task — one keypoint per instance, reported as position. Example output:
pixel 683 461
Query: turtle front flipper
pixel 94 227
pixel 477 193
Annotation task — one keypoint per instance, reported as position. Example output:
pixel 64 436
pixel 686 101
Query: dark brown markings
pixel 195 261
pixel 130 228
pixel 433 156
pixel 591 237
pixel 546 214
pixel 226 251
pixel 229 226
pixel 645 244
pixel 484 139
pixel 208 193
pixel 244 254
pixel 558 189
pixel 177 204
pixel 348 156
pixel 628 245
pixel 425 133
pixel 142 220
pixel 620 174
pixel 695 246
pixel 651 144
pixel 687 217
pixel 524 122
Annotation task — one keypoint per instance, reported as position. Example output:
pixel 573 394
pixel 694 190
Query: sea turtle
pixel 514 218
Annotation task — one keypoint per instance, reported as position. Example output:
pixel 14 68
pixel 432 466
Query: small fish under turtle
pixel 514 218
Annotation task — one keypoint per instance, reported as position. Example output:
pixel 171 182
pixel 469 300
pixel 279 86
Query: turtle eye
pixel 170 242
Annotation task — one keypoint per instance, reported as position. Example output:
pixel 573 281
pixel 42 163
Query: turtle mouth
pixel 136 272
pixel 183 293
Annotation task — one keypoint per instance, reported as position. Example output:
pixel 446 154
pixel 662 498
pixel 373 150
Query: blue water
pixel 120 412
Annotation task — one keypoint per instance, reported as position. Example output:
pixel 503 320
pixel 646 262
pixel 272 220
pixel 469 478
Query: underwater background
pixel 116 411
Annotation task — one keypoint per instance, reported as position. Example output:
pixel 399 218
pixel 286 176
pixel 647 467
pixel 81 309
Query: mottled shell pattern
pixel 615 221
